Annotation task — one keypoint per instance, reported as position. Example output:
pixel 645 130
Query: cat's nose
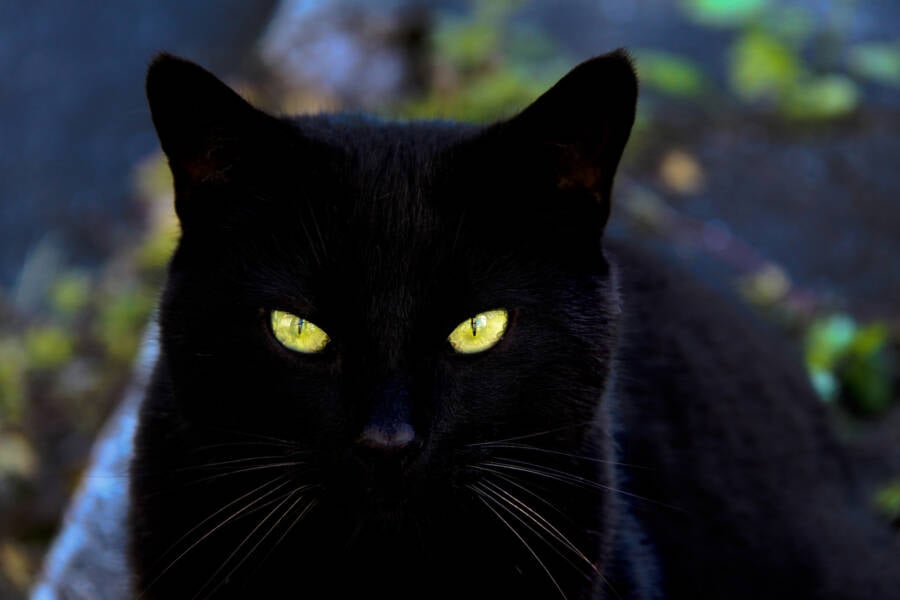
pixel 387 438
pixel 388 430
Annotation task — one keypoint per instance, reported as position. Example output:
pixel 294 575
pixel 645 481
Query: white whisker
pixel 233 516
pixel 541 522
pixel 560 453
pixel 533 435
pixel 230 462
pixel 566 477
pixel 284 499
pixel 249 470
pixel 247 555
pixel 482 497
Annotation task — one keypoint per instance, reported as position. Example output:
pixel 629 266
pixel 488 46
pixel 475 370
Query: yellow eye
pixel 298 334
pixel 480 332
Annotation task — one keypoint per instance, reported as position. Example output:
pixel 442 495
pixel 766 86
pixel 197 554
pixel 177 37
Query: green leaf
pixel 825 385
pixel 826 97
pixel 155 251
pixel 70 293
pixel 122 321
pixel 887 501
pixel 877 61
pixel 494 11
pixel 851 362
pixel 869 340
pixel 827 340
pixel 789 23
pixel 669 73
pixel 723 13
pixel 48 347
pixel 762 66
pixel 867 374
pixel 494 95
pixel 467 44
pixel 12 381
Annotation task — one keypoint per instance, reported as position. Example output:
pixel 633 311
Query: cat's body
pixel 627 435
pixel 763 499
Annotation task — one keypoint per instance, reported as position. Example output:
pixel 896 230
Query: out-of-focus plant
pixel 778 57
pixel 122 319
pixel 887 501
pixel 670 73
pixel 851 363
pixel 723 13
pixel 879 62
pixel 65 357
pixel 485 65
pixel 12 381
pixel 70 293
pixel 47 347
pixel 767 68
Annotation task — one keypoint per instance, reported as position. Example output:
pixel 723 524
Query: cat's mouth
pixel 382 485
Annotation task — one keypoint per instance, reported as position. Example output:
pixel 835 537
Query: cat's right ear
pixel 202 124
pixel 572 137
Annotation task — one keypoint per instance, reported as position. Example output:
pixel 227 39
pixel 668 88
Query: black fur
pixel 679 455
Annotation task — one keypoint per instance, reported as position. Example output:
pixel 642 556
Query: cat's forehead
pixel 372 202
pixel 387 186
pixel 374 154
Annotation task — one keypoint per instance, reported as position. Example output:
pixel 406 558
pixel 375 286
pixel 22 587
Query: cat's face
pixel 403 322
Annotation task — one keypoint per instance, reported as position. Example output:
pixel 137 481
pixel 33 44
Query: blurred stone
pixel 88 558
pixel 355 53
pixel 767 286
pixel 15 565
pixel 681 173
pixel 16 456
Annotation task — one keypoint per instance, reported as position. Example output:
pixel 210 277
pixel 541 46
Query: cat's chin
pixel 379 492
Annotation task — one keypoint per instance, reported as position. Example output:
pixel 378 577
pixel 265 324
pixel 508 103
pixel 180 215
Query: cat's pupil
pixel 300 323
pixel 474 326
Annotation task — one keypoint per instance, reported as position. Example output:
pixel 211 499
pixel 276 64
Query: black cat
pixel 397 361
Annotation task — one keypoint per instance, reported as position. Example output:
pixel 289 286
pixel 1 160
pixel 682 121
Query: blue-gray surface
pixel 87 559
pixel 73 114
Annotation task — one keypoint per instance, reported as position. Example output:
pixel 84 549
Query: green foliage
pixel 765 68
pixel 66 354
pixel 121 321
pixel 153 182
pixel 723 13
pixel 851 363
pixel 762 66
pixel 465 43
pixel 768 65
pixel 791 24
pixel 887 501
pixel 819 98
pixel 669 73
pixel 154 252
pixel 484 100
pixel 70 293
pixel 879 62
pixel 487 68
pixel 48 346
pixel 12 381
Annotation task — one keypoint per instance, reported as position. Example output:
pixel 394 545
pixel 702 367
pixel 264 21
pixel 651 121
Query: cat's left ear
pixel 574 134
pixel 204 127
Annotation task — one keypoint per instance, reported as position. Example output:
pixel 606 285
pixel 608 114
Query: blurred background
pixel 766 157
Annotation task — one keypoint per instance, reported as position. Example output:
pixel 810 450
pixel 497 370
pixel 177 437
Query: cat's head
pixel 413 317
